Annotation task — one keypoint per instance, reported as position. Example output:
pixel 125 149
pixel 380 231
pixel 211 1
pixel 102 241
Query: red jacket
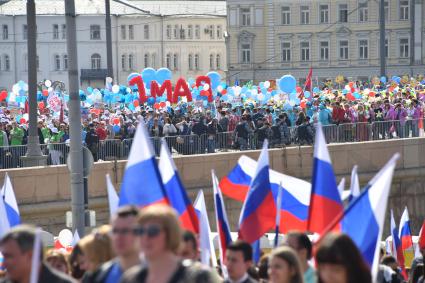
pixel 338 115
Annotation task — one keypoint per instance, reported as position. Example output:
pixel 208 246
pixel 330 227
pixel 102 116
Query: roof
pixel 96 7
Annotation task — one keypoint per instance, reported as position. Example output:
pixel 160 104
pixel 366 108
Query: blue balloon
pixel 384 79
pixel 205 102
pixel 215 79
pixel 287 83
pixel 151 101
pixel 89 89
pixel 307 94
pixel 148 75
pixel 316 89
pixel 117 129
pixel 191 82
pixel 131 106
pixel 244 89
pixel 396 79
pixel 162 75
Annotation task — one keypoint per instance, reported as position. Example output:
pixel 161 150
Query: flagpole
pixel 278 209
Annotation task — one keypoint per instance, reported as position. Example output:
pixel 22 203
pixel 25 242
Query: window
pixel 176 31
pixel 197 66
pixel 324 50
pixel 190 31
pixel 211 31
pixel 65 62
pixel 286 51
pixel 57 62
pixel 246 53
pixel 63 31
pixel 25 32
pixel 363 49
pixel 168 31
pixel 182 33
pixel 123 62
pixel 131 62
pixel 6 60
pixel 286 15
pixel 363 16
pixel 168 61
pixel 305 15
pixel 95 61
pixel 219 32
pixel 146 31
pixel 190 62
pixel 37 62
pixel 343 50
pixel 324 14
pixel 153 60
pixel 130 32
pixel 146 60
pixel 55 31
pixel 211 62
pixel 95 32
pixel 176 61
pixel 404 10
pixel 218 62
pixel 246 16
pixel 198 32
pixel 305 51
pixel 386 10
pixel 5 30
pixel 343 13
pixel 404 48
pixel 123 32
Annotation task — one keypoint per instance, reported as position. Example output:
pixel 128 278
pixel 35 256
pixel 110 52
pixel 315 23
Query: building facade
pixel 270 38
pixel 185 36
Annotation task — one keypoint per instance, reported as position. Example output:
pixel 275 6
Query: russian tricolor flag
pixel 223 228
pixel 363 220
pixel 175 190
pixel 142 184
pixel 404 232
pixel 396 249
pixel 295 193
pixel 10 203
pixel 258 213
pixel 325 202
pixel 354 185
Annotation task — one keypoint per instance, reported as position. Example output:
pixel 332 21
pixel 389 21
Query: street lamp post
pixel 34 156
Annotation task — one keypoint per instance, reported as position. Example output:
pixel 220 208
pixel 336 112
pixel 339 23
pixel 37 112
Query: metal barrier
pixel 116 149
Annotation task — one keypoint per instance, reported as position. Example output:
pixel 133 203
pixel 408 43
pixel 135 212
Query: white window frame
pixel 218 62
pixel 176 61
pixel 65 61
pixel 246 20
pixel 344 50
pixel 305 51
pixel 197 31
pixel 190 62
pixel 190 31
pixel 146 32
pixel 304 15
pixel 363 49
pixel 324 13
pixel 285 12
pixel 63 26
pixel 246 53
pixel 5 32
pixel 169 31
pixel 324 51
pixel 363 12
pixel 212 62
pixel 131 32
pixel 404 10
pixel 95 33
pixel 146 60
pixel 343 8
pixel 131 62
pixel 404 48
pixel 197 62
pixel 286 51
pixel 57 62
pixel 55 31
pixel 123 32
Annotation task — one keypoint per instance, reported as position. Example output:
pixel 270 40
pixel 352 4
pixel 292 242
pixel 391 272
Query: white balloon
pixel 184 98
pixel 115 88
pixel 206 86
pixel 260 96
pixel 25 88
pixel 366 91
pixel 108 80
pixel 347 87
pixel 47 83
pixel 220 88
pixel 15 88
pixel 168 103
pixel 254 91
pixel 12 97
pixel 238 90
pixel 50 89
pixel 65 238
pixel 266 84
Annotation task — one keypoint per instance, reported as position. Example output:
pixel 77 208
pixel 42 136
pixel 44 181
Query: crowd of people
pixel 149 245
pixel 381 112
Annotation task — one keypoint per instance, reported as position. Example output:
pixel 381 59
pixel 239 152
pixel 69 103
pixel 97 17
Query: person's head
pixel 97 248
pixel 339 261
pixel 263 267
pixel 390 261
pixel 76 263
pixel 284 266
pixel 124 241
pixel 238 259
pixel 17 249
pixel 301 244
pixel 57 260
pixel 189 246
pixel 159 231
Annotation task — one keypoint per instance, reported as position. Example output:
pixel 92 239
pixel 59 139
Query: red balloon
pixel 162 104
pixel 351 84
pixel 116 121
pixel 136 103
pixel 156 106
pixel 3 95
pixel 22 121
pixel 302 104
pixel 299 89
pixel 224 91
pixel 45 92
pixel 41 105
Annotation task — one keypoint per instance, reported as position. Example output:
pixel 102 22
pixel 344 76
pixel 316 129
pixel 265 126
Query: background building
pixel 185 36
pixel 270 38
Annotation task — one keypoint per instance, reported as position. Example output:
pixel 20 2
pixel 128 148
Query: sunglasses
pixel 151 231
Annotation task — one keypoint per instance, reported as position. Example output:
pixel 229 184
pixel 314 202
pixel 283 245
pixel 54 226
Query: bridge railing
pixel 115 149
